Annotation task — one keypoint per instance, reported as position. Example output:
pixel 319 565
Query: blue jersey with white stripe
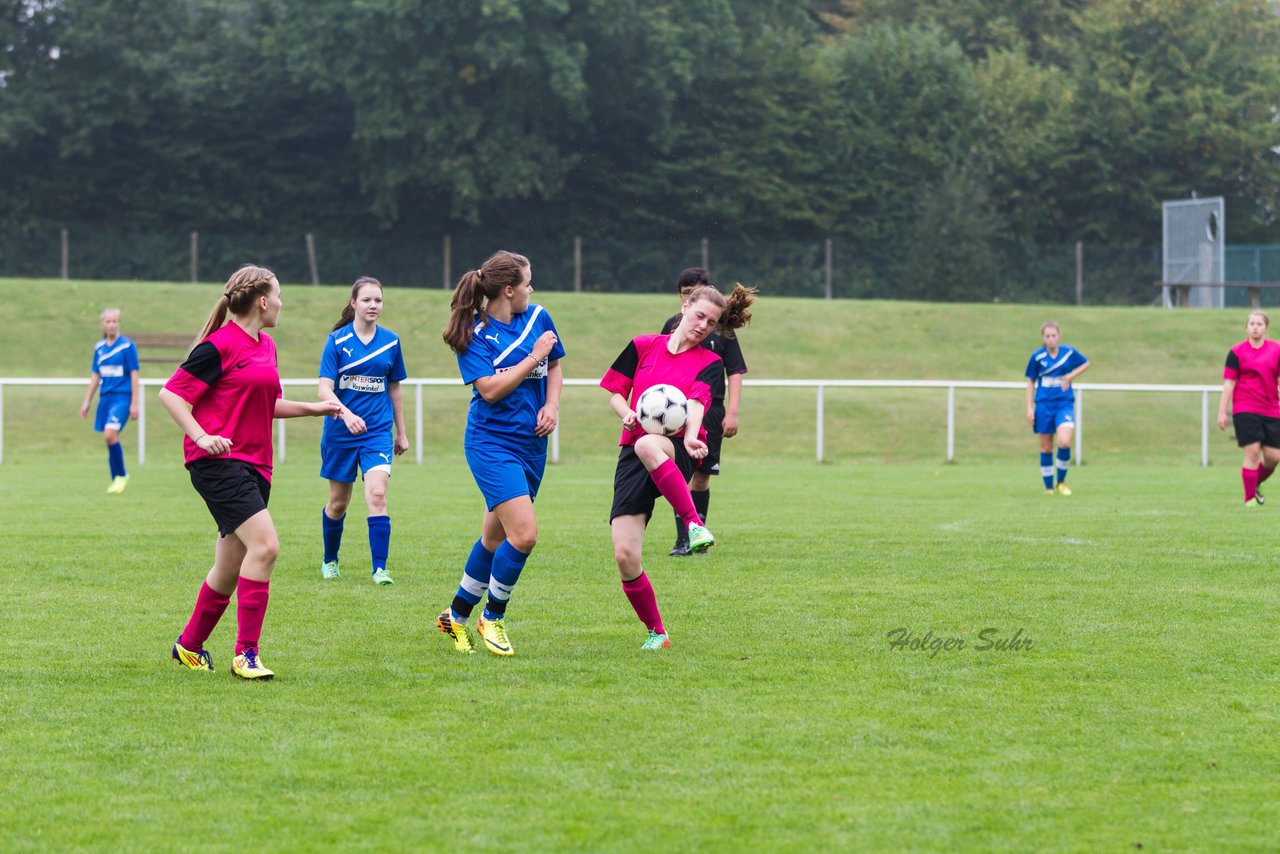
pixel 114 363
pixel 497 347
pixel 1047 373
pixel 362 374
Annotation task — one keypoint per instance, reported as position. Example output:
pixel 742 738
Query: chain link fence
pixel 1090 273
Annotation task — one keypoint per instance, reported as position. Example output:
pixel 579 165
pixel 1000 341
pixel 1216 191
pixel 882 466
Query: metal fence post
pixel 311 259
pixel 66 255
pixel 448 261
pixel 195 257
pixel 142 424
pixel 280 440
pixel 706 256
pixel 1 422
pixel 577 265
pixel 820 418
pixel 555 444
pixel 1079 427
pixel 1204 429
pixel 417 420
pixel 951 423
pixel 827 282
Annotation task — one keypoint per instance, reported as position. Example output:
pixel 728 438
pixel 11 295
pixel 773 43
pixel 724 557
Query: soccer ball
pixel 662 409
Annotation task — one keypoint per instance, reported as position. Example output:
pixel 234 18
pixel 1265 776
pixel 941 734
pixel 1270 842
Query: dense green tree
pixel 1171 97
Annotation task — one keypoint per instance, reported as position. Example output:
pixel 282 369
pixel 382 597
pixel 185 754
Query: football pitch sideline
pixel 875 657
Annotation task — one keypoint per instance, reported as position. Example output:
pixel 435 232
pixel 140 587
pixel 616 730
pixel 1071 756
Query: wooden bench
pixel 1182 290
pixel 174 346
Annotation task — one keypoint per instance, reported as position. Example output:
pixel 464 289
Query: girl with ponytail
pixel 224 397
pixel 509 353
pixel 361 368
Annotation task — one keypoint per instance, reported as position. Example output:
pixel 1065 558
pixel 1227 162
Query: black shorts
pixel 714 422
pixel 634 492
pixel 1252 427
pixel 233 490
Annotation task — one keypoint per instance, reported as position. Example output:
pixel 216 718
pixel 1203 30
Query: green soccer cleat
pixel 1050 492
pixel 1253 502
pixel 330 569
pixel 247 665
pixel 1062 489
pixel 494 633
pixel 657 641
pixel 192 660
pixel 457 632
pixel 700 539
pixel 381 577
pixel 118 483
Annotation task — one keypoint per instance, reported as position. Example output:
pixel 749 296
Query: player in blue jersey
pixel 1051 403
pixel 509 352
pixel 115 368
pixel 361 368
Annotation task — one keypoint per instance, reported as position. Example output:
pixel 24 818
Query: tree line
pixel 941 126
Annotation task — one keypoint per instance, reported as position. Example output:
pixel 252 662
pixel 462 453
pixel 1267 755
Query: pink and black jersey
pixel 232 383
pixel 647 362
pixel 1256 371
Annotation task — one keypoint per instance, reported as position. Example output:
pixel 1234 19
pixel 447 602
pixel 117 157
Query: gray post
pixel 195 257
pixel 448 253
pixel 577 265
pixel 311 259
pixel 706 256
pixel 66 255
pixel 827 286
pixel 1079 272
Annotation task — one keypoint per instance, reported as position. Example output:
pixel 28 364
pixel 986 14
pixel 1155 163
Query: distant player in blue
pixel 361 368
pixel 509 352
pixel 1051 403
pixel 115 367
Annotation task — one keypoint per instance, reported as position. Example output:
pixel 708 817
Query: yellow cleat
pixel 194 660
pixel 1063 489
pixel 1050 492
pixel 118 484
pixel 247 665
pixel 494 633
pixel 457 632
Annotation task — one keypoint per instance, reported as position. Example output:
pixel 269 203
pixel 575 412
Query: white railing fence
pixel 820 386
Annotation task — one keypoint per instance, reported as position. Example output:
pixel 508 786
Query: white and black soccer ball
pixel 662 409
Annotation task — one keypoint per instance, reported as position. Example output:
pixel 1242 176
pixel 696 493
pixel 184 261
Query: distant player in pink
pixel 651 465
pixel 1249 393
pixel 224 397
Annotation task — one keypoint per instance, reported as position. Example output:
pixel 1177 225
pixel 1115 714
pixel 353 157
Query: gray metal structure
pixel 1195 249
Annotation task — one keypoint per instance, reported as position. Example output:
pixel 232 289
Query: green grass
pixel 789 339
pixel 780 718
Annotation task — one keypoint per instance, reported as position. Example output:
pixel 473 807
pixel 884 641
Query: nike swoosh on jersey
pixel 243 364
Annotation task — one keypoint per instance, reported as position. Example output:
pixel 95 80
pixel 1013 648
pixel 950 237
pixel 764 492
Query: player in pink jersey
pixel 1249 390
pixel 224 397
pixel 651 465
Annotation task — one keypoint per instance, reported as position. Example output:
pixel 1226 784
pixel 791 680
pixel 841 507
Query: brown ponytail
pixel 475 288
pixel 735 311
pixel 348 311
pixel 241 291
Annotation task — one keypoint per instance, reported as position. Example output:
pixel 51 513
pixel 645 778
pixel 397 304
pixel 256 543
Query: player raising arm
pixel 223 397
pixel 1250 397
pixel 652 465
pixel 509 352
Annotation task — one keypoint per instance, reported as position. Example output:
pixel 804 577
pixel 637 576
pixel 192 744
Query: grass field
pixel 781 717
pixel 790 339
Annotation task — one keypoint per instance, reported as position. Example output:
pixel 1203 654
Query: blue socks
pixel 475 581
pixel 1064 457
pixel 332 530
pixel 379 541
pixel 508 561
pixel 115 458
pixel 1046 469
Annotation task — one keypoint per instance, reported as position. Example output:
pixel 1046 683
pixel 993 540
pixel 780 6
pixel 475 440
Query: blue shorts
pixel 339 462
pixel 1051 416
pixel 504 470
pixel 113 412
